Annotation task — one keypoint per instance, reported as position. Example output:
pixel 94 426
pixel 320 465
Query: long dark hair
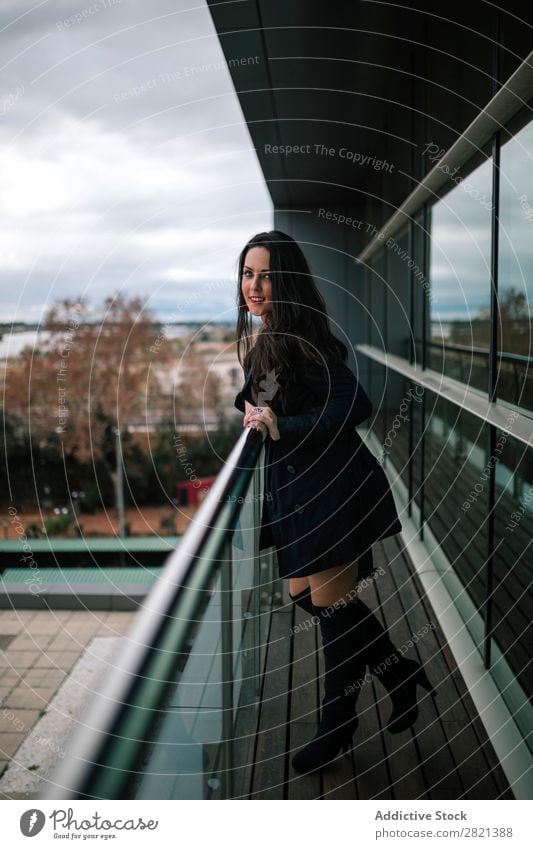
pixel 298 328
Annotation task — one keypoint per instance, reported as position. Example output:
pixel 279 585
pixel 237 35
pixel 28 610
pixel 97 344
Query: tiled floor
pixel 37 651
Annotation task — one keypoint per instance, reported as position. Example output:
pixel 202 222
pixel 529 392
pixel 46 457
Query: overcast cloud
pixel 126 162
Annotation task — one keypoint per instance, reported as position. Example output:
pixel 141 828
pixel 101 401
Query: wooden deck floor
pixel 446 756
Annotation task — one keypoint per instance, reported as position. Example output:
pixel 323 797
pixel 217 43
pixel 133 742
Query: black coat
pixel 326 499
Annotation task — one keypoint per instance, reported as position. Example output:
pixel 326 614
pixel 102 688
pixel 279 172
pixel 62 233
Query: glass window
pixel 377 394
pixel 513 563
pixel 419 284
pixel 460 240
pixel 378 307
pixel 456 490
pixel 398 277
pixel 368 306
pixel 402 397
pixel 378 301
pixel 515 271
pixel 416 413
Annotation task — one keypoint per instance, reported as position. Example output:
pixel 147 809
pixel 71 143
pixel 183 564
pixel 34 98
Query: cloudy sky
pixel 125 160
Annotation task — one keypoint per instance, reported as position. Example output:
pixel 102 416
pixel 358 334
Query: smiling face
pixel 256 282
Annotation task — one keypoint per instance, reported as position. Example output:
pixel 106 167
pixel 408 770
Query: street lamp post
pixel 119 484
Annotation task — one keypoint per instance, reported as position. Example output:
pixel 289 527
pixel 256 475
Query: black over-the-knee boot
pixel 344 671
pixel 398 674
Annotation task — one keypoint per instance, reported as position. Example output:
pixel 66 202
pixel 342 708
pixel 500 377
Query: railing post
pixel 226 590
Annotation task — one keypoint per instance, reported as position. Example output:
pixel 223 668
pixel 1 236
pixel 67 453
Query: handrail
pixel 471 349
pixel 507 101
pixel 116 728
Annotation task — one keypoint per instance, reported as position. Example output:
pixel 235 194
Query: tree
pixel 89 374
pixel 92 373
pixel 513 304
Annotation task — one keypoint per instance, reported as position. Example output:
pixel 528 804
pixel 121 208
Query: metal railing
pixel 177 710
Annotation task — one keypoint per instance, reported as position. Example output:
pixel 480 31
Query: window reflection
pixel 460 239
pixel 456 490
pixel 515 272
pixel 513 564
pixel 377 376
pixel 420 285
pixel 403 397
pixel 398 274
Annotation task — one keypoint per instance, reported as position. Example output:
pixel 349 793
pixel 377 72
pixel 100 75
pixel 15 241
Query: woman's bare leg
pixel 297 585
pixel 333 585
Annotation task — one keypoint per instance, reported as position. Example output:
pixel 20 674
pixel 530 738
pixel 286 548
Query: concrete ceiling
pixel 337 81
pixel 373 80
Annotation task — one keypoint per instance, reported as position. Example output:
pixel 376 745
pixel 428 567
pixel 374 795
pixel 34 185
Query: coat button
pixel 298 508
pixel 291 469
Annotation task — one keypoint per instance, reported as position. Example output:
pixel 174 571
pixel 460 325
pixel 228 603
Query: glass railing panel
pixel 192 754
pixel 251 614
pixel 163 722
pixel 185 756
pixel 203 744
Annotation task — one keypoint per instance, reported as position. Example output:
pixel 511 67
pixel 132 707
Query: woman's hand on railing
pixel 260 418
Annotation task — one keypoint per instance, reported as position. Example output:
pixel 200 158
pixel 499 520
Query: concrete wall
pixel 330 249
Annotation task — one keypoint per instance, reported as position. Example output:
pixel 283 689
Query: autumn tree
pixel 90 373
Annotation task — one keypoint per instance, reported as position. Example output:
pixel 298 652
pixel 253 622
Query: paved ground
pixel 38 651
pixel 143 521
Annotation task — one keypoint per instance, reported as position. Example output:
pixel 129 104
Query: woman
pixel 327 498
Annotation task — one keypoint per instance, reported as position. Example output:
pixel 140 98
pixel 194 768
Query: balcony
pixel 219 680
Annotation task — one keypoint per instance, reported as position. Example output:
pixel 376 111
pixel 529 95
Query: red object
pixel 191 493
